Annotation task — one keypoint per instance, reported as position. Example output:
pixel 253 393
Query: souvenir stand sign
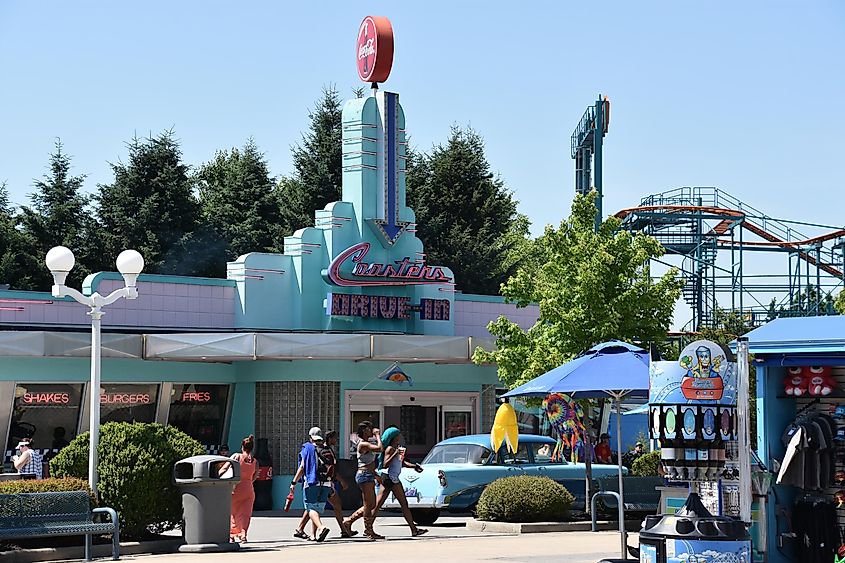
pixel 693 415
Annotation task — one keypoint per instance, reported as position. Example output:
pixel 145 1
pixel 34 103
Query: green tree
pixel 317 164
pixel 58 216
pixel 592 287
pixel 839 304
pixel 239 206
pixel 149 206
pixel 465 216
pixel 14 264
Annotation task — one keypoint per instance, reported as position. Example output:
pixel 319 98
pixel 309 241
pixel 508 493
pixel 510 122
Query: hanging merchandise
pixel 505 429
pixel 821 381
pixel 565 417
pixel 810 460
pixel 692 406
pixel 814 523
pixel 796 383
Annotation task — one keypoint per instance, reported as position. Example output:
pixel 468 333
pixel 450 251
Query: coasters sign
pixel 374 49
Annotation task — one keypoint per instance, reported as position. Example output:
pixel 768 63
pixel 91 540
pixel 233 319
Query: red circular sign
pixel 374 49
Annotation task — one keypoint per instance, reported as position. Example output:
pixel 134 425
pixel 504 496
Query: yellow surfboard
pixel 505 429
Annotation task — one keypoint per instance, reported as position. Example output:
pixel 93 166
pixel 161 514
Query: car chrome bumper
pixel 417 501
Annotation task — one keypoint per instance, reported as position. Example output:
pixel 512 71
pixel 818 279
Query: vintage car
pixel 457 470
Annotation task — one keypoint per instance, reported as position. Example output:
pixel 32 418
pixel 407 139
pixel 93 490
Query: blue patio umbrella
pixel 614 370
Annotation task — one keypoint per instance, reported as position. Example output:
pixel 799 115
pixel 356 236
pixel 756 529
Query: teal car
pixel 457 470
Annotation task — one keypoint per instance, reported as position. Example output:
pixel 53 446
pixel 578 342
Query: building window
pixel 285 410
pixel 128 403
pixel 199 410
pixel 47 413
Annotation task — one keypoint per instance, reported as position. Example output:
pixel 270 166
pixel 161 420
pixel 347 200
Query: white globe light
pixel 130 262
pixel 60 259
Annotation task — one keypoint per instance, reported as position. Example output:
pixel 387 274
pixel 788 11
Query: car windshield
pixel 457 453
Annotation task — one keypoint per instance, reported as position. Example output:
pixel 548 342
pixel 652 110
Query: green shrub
pixel 646 465
pixel 135 466
pixel 46 486
pixel 524 499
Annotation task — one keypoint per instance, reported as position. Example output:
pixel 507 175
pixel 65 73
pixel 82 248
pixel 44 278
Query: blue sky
pixel 742 95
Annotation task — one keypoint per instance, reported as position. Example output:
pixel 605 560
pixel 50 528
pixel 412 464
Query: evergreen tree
pixel 317 164
pixel 57 217
pixel 149 206
pixel 239 204
pixel 15 258
pixel 466 217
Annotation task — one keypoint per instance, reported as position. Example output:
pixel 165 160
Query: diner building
pixel 287 341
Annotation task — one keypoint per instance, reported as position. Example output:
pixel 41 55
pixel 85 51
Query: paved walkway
pixel 448 540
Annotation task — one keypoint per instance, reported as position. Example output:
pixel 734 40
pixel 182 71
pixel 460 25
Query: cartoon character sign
pixel 703 363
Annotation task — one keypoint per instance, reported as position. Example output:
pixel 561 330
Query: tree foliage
pixel 14 269
pixel 316 180
pixel 239 206
pixel 466 217
pixel 591 287
pixel 150 206
pixel 58 216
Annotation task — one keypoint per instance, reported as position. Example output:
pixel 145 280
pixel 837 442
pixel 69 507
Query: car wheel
pixel 425 516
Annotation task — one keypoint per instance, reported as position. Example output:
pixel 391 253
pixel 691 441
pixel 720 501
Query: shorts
pixel 316 497
pixel 387 482
pixel 365 477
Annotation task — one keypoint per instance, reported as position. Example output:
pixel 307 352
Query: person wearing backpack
pixel 316 494
pixel 328 475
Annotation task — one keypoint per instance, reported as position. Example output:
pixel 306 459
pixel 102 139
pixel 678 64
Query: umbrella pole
pixel 622 532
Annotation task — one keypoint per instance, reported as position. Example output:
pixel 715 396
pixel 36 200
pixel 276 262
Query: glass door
pixel 457 421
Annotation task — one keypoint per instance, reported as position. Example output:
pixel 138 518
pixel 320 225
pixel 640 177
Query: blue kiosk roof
pixel 794 337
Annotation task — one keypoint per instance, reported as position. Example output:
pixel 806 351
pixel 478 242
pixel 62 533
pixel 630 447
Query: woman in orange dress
pixel 243 496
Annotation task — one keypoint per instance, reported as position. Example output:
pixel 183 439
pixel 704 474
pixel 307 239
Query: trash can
pixel 207 483
pixel 693 534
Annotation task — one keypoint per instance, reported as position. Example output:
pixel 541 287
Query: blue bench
pixel 39 515
pixel 640 493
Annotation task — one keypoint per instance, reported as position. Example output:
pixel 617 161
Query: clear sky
pixel 746 96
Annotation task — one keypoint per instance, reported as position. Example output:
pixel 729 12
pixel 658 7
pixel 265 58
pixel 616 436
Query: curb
pixel 544 527
pixel 99 550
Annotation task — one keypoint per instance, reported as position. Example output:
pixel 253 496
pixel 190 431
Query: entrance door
pixel 456 421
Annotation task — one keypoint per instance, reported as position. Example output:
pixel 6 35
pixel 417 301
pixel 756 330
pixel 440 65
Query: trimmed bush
pixel 524 499
pixel 135 468
pixel 46 486
pixel 646 465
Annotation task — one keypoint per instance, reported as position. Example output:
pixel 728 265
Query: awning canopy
pixel 799 335
pixel 245 346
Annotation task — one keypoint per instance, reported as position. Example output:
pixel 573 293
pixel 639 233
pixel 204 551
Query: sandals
pixel 301 535
pixel 419 532
pixel 321 534
pixel 346 530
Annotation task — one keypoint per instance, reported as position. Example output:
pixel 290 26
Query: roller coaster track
pixel 697 222
pixel 727 216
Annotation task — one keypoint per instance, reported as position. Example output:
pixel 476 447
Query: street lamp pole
pixel 130 263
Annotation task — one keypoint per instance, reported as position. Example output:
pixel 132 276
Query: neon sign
pixel 46 398
pixel 401 272
pixel 125 399
pixel 196 396
pixel 386 307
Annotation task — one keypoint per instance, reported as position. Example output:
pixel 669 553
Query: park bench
pixel 39 515
pixel 641 493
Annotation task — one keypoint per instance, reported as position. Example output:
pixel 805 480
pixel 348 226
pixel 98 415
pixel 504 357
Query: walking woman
pixel 243 496
pixel 392 461
pixel 366 477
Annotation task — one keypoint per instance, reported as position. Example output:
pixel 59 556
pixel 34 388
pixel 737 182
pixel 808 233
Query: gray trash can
pixel 207 485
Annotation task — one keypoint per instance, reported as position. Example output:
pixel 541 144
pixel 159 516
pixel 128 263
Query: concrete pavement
pixel 271 540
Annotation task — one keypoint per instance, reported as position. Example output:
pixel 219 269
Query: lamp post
pixel 60 261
